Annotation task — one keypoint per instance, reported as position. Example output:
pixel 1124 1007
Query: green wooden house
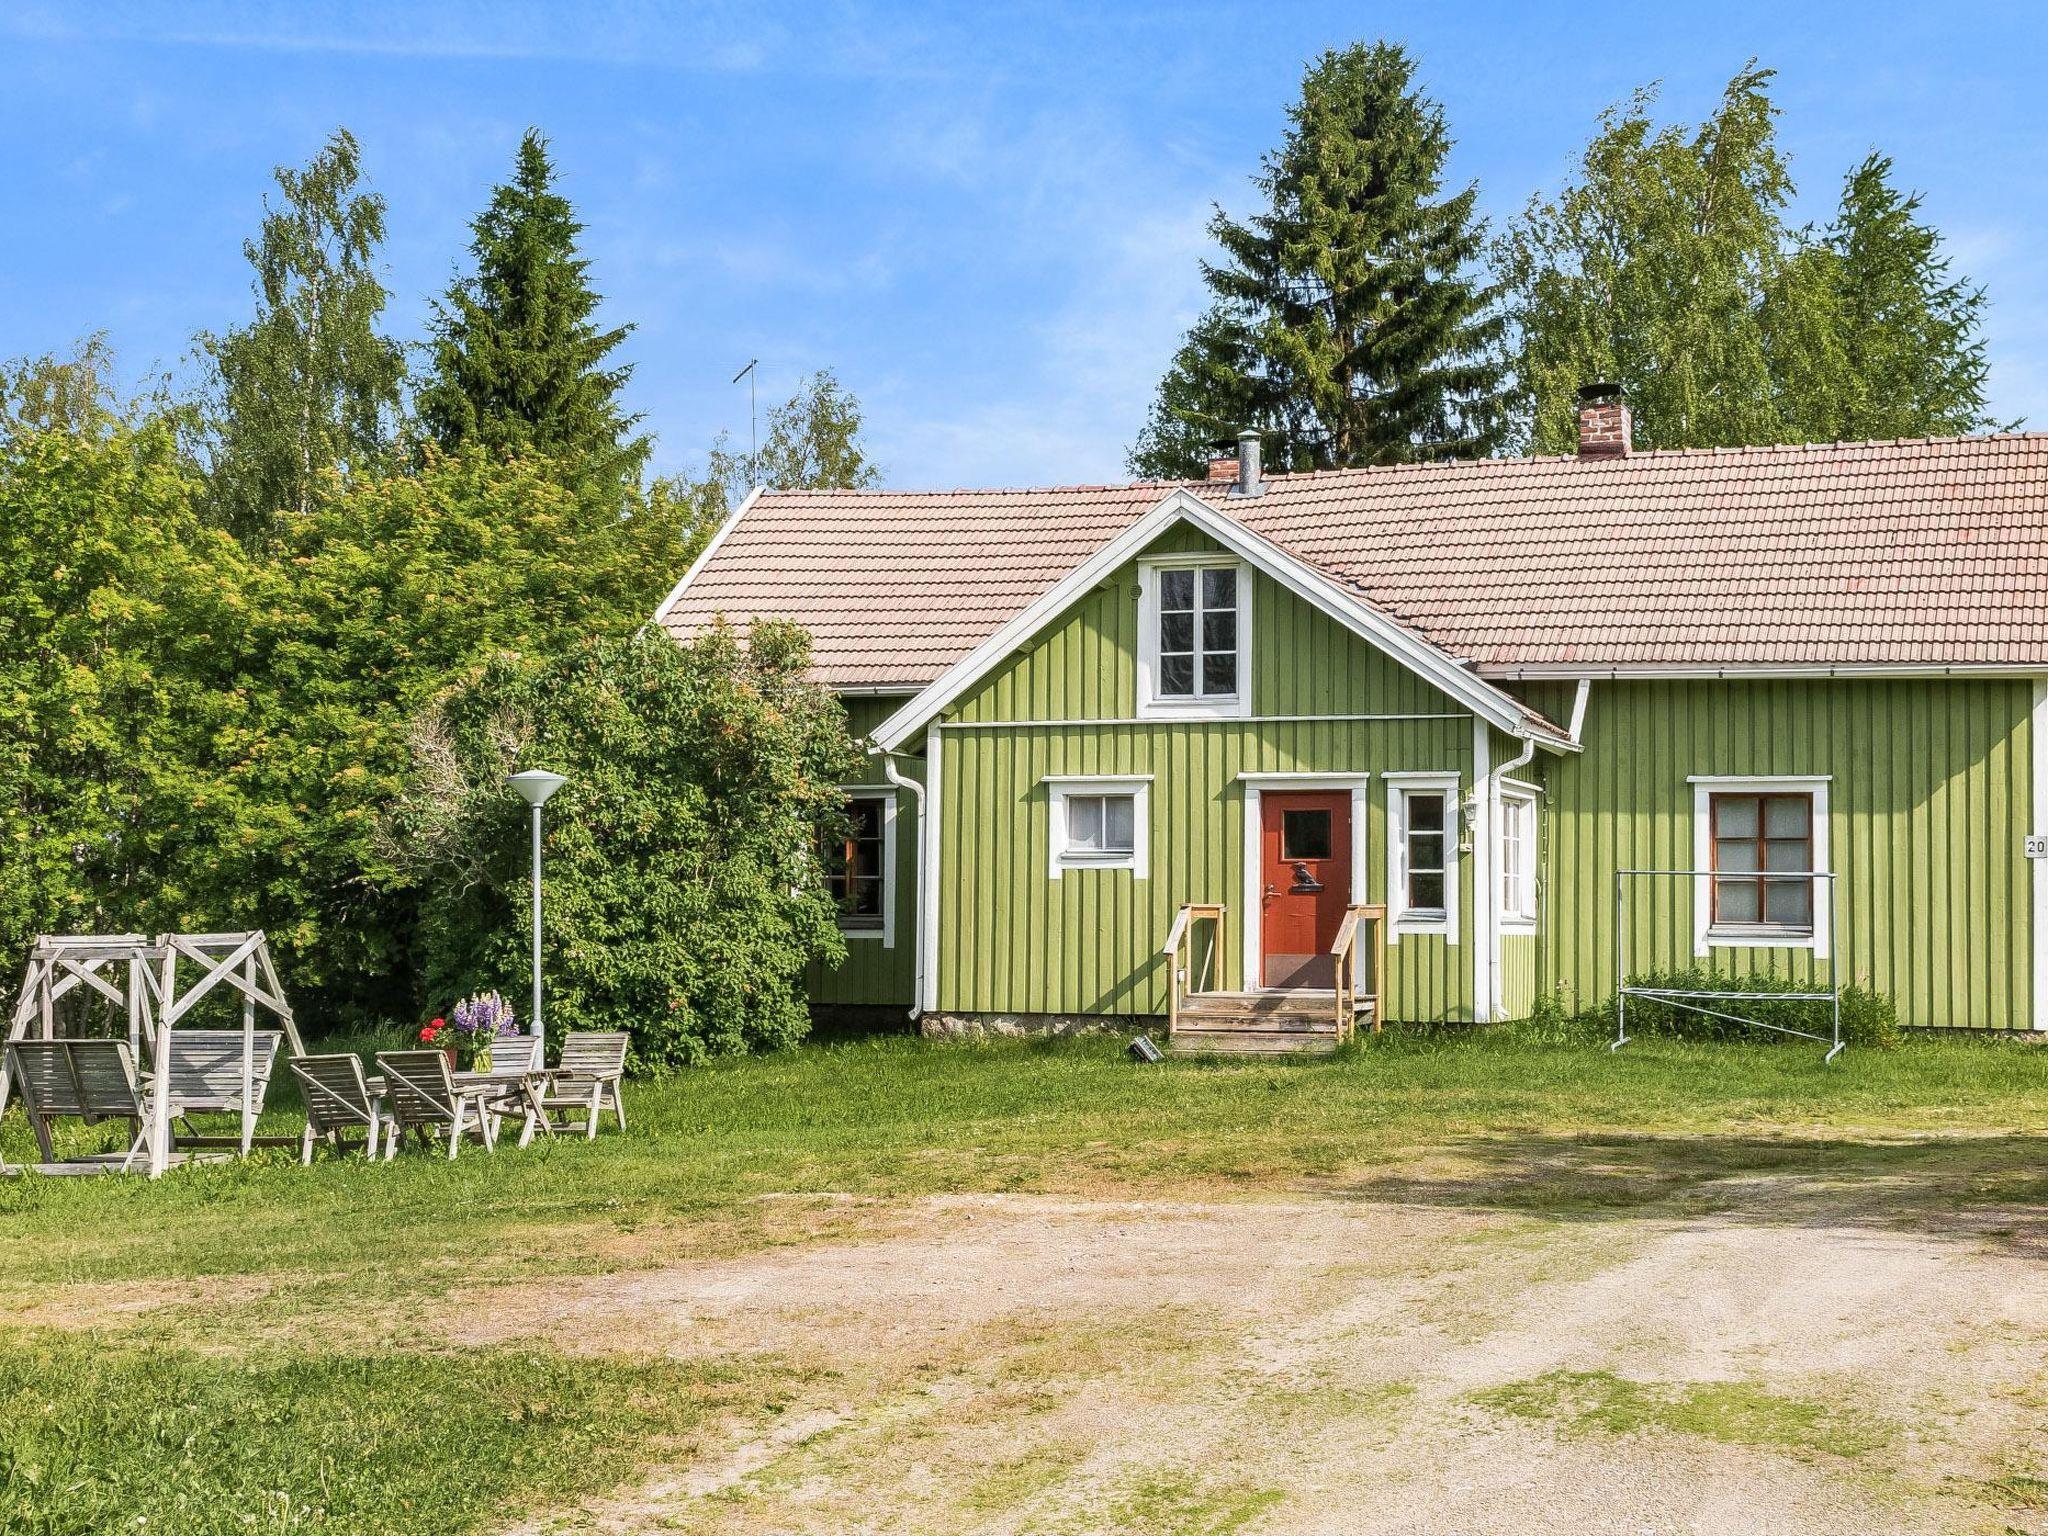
pixel 1452 737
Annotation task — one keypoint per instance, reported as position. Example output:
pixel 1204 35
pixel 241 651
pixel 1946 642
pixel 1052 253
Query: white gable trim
pixel 704 555
pixel 1303 580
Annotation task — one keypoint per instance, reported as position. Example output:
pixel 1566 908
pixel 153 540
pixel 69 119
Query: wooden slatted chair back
pixel 206 1067
pixel 593 1054
pixel 92 1078
pixel 337 1095
pixel 417 1087
pixel 515 1055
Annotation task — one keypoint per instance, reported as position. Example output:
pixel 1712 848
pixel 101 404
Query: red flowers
pixel 431 1032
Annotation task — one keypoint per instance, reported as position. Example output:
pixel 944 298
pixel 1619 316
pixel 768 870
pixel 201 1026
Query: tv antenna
pixel 753 425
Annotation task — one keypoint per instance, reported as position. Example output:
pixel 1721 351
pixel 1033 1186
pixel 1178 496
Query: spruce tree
pixel 519 361
pixel 1349 324
pixel 309 385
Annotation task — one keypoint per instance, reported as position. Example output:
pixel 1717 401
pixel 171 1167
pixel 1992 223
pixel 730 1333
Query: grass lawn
pixel 260 1347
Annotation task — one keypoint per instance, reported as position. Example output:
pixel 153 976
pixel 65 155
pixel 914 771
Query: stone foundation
pixel 979 1026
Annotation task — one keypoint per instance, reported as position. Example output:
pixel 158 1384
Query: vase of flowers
pixel 478 1022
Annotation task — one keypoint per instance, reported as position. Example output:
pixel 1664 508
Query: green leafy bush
pixel 683 889
pixel 1868 1018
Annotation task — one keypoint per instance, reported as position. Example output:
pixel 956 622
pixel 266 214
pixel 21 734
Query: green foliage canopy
pixel 684 891
pixel 384 591
pixel 1668 265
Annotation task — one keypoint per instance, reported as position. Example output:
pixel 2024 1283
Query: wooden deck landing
pixel 1257 1024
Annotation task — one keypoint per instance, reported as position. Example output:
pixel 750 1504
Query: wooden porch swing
pixel 139 1065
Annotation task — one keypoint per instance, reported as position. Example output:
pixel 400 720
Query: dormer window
pixel 1192 652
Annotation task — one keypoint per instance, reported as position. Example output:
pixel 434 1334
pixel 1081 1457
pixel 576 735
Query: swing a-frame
pixel 105 1030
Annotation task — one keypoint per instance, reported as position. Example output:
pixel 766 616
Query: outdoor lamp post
pixel 534 786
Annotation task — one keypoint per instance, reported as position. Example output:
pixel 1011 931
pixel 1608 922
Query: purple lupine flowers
pixel 485 1016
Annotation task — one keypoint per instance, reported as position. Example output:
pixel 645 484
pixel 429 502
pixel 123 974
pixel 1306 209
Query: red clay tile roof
pixel 1912 553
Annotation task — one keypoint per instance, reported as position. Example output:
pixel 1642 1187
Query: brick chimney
pixel 1604 422
pixel 1222 470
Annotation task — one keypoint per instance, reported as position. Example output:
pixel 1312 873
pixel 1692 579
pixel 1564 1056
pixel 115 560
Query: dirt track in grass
pixel 1570 1339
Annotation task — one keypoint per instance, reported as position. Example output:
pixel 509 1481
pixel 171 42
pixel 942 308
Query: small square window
pixel 1752 835
pixel 1305 834
pixel 1101 824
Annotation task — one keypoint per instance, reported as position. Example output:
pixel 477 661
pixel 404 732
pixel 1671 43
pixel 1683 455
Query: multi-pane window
pixel 1754 835
pixel 1517 856
pixel 1426 822
pixel 853 866
pixel 1198 640
pixel 1101 826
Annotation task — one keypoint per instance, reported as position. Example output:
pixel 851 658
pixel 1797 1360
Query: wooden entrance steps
pixel 1256 1024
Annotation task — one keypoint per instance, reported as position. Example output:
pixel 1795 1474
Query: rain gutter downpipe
pixel 917 923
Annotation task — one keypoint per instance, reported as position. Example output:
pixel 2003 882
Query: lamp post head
pixel 536 784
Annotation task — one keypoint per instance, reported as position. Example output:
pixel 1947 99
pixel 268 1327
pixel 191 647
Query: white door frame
pixel 1360 785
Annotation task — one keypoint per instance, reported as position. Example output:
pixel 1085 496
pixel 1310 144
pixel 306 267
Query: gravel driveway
pixel 1562 1337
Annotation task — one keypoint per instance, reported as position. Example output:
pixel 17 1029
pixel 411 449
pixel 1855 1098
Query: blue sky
pixel 987 219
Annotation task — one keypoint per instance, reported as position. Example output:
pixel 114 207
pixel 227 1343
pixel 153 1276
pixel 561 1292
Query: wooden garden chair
pixel 593 1064
pixel 208 1075
pixel 339 1102
pixel 420 1094
pixel 91 1080
pixel 514 1083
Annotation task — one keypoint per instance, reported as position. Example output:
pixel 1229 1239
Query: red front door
pixel 1305 866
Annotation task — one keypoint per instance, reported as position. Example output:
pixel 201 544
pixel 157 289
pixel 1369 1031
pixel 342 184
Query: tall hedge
pixel 684 895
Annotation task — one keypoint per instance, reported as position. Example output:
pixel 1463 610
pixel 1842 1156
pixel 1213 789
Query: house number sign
pixel 2037 847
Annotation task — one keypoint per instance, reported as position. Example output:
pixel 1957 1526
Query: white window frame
pixel 1517 811
pixel 1236 706
pixel 1401 918
pixel 1061 787
pixel 1705 936
pixel 887 796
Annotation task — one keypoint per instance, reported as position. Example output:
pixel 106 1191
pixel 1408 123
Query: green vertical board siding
pixel 1083 665
pixel 1011 939
pixel 1014 940
pixel 1930 796
pixel 873 974
pixel 1517 975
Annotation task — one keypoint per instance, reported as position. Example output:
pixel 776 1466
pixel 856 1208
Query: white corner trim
pixel 718 537
pixel 1576 730
pixel 1399 921
pixel 932 872
pixel 1236 706
pixel 1705 938
pixel 2037 748
pixel 1137 785
pixel 1486 909
pixel 1297 576
pixel 1256 786
pixel 887 795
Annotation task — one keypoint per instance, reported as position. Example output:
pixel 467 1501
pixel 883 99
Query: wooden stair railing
pixel 1343 956
pixel 1180 956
